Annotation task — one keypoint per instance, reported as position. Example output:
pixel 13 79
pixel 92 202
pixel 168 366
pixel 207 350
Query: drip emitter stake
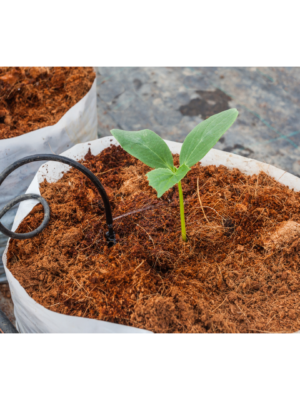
pixel 110 235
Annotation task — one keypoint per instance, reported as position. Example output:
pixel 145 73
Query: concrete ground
pixel 6 304
pixel 171 101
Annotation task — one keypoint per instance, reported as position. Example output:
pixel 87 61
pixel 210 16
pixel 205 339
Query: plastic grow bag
pixel 32 317
pixel 78 125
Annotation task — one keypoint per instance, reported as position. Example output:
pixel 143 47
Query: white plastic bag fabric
pixel 32 317
pixel 78 125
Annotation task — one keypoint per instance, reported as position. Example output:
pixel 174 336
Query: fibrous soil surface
pixel 34 97
pixel 235 273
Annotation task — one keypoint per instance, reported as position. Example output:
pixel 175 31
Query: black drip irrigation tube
pixel 110 235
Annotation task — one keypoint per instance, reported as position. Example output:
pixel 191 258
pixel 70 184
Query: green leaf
pixel 163 179
pixel 147 146
pixel 205 135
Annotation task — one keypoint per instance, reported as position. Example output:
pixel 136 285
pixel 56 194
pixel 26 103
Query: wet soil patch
pixel 238 272
pixel 208 104
pixel 32 98
pixel 239 149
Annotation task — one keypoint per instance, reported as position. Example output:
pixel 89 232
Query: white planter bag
pixel 31 316
pixel 78 125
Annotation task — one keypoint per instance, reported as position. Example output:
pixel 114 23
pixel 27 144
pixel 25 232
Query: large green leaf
pixel 163 179
pixel 205 135
pixel 147 146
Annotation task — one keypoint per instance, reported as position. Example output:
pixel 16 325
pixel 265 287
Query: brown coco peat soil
pixel 238 272
pixel 32 98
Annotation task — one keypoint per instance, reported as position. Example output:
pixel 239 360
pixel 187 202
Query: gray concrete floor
pixel 6 304
pixel 171 101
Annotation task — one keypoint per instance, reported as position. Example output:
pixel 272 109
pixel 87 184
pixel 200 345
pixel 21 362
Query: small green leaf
pixel 147 146
pixel 163 179
pixel 205 135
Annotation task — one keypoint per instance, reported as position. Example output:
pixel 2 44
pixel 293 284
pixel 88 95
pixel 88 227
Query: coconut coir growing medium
pixel 32 98
pixel 228 277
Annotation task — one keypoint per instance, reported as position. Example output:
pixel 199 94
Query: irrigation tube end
pixel 110 236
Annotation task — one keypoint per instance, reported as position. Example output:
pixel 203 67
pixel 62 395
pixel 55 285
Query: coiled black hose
pixel 110 235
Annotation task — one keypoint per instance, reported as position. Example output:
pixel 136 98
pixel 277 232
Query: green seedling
pixel 150 148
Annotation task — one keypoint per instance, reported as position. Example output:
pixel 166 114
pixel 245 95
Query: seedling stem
pixel 183 231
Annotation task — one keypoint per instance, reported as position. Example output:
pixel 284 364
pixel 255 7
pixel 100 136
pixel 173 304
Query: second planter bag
pixel 78 125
